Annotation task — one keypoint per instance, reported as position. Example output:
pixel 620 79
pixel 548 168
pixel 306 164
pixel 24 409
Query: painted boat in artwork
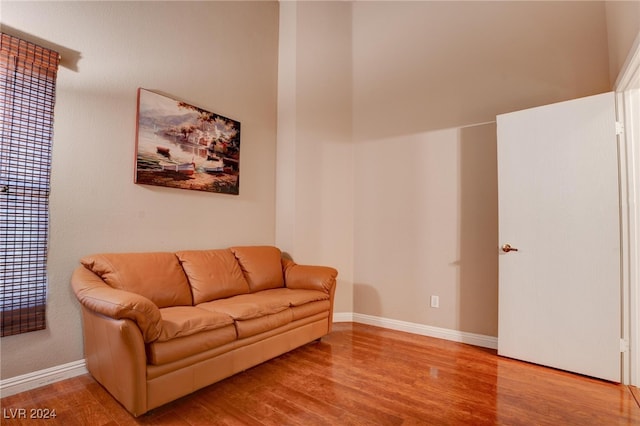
pixel 213 165
pixel 163 151
pixel 184 168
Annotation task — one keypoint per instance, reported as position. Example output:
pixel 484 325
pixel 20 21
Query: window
pixel 27 96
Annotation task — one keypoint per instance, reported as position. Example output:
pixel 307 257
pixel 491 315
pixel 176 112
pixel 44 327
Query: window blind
pixel 27 96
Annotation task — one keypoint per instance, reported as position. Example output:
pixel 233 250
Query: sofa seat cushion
pixel 213 274
pixel 181 321
pixel 295 297
pixel 159 353
pixel 253 313
pixel 251 327
pixel 304 303
pixel 156 276
pixel 310 309
pixel 247 306
pixel 266 310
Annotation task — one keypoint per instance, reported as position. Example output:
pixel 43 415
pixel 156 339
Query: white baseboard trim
pixel 421 329
pixel 343 317
pixel 39 378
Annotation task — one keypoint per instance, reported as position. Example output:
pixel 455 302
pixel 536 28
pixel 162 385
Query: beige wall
pixel 315 153
pixel 426 209
pixel 219 56
pixel 433 65
pixel 623 28
pixel 425 74
pixel 421 79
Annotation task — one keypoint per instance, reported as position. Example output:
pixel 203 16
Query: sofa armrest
pixel 115 356
pixel 95 295
pixel 310 277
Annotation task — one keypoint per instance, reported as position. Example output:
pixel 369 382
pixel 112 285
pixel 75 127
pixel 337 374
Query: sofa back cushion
pixel 261 265
pixel 156 276
pixel 213 274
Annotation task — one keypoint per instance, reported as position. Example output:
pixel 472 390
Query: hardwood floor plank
pixel 636 394
pixel 362 375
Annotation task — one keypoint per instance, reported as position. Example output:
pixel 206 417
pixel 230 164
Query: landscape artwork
pixel 182 146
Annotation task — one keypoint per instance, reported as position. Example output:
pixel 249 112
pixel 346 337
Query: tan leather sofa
pixel 158 326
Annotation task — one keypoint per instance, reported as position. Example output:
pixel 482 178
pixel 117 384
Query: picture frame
pixel 179 145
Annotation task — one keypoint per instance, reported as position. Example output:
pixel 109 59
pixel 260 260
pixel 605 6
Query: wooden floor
pixel 361 375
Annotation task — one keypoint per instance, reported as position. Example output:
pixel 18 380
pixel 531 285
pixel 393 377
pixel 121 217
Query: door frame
pixel 627 90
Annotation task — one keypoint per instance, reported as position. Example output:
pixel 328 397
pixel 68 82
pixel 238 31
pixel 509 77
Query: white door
pixel 559 293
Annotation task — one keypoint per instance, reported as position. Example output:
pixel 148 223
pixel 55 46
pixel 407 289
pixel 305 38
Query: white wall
pixel 221 56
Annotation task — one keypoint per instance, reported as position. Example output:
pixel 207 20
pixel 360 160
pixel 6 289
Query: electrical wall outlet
pixel 435 301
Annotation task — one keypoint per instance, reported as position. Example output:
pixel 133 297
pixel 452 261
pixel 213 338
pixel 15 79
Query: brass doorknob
pixel 507 248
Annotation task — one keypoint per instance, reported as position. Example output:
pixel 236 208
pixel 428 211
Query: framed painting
pixel 179 145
